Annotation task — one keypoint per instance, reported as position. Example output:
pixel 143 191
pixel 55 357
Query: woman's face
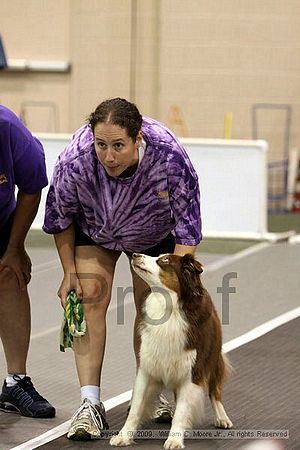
pixel 115 150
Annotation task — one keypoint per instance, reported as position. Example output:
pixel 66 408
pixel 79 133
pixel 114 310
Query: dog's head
pixel 178 273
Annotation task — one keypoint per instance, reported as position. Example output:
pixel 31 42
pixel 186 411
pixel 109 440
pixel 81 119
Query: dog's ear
pixel 190 280
pixel 190 264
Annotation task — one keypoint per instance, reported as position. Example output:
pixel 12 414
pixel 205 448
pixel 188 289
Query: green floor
pixel 284 222
pixel 276 223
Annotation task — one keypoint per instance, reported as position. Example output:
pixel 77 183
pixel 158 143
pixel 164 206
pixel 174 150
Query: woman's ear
pixel 139 138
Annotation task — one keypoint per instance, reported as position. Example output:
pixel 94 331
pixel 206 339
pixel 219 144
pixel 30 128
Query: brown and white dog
pixel 181 348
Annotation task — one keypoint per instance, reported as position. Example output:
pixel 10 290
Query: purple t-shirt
pixel 22 162
pixel 127 214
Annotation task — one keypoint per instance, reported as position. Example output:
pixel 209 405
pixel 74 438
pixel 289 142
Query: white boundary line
pixel 256 236
pixel 62 429
pixel 209 268
pixel 54 329
pixel 43 267
pixel 235 257
pixel 111 403
pixel 295 239
pixel 259 331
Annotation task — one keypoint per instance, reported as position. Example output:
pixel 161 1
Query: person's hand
pixel 70 282
pixel 17 260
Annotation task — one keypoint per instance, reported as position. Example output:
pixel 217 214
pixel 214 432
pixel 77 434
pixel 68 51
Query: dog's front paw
pixel 121 440
pixel 223 422
pixel 173 442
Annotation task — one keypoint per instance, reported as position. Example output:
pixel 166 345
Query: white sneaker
pixel 164 411
pixel 87 422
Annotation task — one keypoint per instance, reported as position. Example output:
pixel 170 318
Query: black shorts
pixel 167 245
pixel 5 231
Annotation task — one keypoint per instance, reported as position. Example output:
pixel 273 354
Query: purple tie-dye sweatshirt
pixel 127 214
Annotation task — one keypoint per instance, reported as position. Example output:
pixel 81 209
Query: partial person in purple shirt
pixel 22 165
pixel 123 184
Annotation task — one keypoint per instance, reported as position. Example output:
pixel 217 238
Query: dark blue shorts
pixel 167 245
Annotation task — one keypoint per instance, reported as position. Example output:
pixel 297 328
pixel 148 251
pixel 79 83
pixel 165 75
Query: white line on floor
pixel 62 429
pixel 125 396
pixel 43 267
pixel 209 268
pixel 55 264
pixel 261 330
pixel 54 329
pixel 118 400
pixel 235 257
pixel 44 438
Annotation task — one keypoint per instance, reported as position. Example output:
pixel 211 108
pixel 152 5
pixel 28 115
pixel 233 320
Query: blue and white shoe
pixel 23 398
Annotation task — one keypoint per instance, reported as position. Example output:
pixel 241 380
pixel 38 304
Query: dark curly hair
pixel 118 111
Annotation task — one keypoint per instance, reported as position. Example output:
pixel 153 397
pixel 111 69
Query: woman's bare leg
pixel 95 267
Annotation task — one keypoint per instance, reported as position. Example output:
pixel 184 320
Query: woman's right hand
pixel 70 282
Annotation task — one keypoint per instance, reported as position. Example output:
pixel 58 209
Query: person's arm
pixel 64 242
pixel 26 210
pixel 15 256
pixel 181 250
pixel 185 204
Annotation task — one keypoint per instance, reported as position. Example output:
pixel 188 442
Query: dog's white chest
pixel 163 341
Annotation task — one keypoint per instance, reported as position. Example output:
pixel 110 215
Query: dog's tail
pixel 228 369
